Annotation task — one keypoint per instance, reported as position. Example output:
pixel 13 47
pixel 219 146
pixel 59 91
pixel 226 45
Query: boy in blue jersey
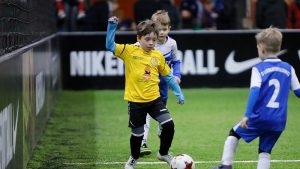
pixel 266 111
pixel 168 47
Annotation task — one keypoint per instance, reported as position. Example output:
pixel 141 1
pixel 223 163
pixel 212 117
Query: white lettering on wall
pixel 195 63
pixel 103 63
pixel 8 134
pixel 95 63
pixel 54 70
pixel 39 92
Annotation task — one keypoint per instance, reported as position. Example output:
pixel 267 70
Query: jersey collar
pixel 271 59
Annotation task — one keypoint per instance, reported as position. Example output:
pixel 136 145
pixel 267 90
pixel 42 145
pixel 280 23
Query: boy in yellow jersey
pixel 143 65
pixel 168 47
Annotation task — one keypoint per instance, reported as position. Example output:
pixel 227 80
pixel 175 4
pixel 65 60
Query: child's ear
pixel 263 51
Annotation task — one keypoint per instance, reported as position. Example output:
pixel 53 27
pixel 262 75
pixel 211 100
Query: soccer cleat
pixel 167 158
pixel 130 163
pixel 222 167
pixel 144 150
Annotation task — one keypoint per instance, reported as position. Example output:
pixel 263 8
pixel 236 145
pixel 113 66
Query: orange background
pixel 127 7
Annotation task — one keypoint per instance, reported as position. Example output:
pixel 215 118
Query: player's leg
pixel 146 129
pixel 230 147
pixel 266 143
pixel 160 113
pixel 231 144
pixel 137 117
pixel 166 137
pixel 144 148
pixel 229 150
pixel 163 90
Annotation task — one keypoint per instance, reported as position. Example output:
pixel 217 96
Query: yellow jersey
pixel 142 71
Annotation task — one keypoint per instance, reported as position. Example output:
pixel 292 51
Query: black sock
pixel 166 137
pixel 135 145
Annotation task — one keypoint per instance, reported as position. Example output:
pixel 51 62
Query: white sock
pixel 230 146
pixel 146 129
pixel 264 161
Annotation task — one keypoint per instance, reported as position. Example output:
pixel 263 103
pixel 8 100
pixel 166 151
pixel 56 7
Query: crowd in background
pixel 92 15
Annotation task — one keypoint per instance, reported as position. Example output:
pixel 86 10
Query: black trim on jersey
pixel 123 49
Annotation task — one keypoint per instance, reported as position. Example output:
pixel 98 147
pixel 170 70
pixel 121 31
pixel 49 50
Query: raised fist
pixel 113 20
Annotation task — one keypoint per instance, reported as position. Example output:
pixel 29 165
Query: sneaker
pixel 130 163
pixel 222 167
pixel 145 150
pixel 167 158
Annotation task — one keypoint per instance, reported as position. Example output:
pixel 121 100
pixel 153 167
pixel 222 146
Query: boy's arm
pixel 175 63
pixel 110 35
pixel 170 79
pixel 253 96
pixel 252 99
pixel 295 86
pixel 176 68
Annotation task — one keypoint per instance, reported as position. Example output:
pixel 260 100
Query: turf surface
pixel 90 127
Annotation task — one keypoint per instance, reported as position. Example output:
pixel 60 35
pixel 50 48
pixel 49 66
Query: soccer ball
pixel 182 161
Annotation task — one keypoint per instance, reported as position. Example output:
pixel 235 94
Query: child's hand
pixel 244 122
pixel 180 100
pixel 113 20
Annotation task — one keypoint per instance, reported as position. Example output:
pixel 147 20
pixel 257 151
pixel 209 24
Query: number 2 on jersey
pixel 272 103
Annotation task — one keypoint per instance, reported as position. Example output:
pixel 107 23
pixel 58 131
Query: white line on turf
pixel 197 162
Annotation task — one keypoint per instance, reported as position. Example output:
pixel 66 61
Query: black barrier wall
pixel 29 84
pixel 209 58
pixel 11 113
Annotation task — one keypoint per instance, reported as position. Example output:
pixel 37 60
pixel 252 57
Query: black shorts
pixel 138 111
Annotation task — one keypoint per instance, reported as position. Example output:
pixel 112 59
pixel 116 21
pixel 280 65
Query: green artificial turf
pixel 89 128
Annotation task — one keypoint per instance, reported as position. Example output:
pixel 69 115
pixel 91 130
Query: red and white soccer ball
pixel 182 161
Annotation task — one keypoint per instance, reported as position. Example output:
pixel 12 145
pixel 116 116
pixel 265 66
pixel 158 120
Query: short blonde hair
pixel 162 17
pixel 271 38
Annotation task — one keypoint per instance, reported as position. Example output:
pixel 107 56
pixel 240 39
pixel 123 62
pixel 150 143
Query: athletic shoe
pixel 130 163
pixel 167 158
pixel 145 150
pixel 222 167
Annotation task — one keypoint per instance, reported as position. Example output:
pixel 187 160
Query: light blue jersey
pixel 169 50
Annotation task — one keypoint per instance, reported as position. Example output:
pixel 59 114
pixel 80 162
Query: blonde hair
pixel 162 17
pixel 271 38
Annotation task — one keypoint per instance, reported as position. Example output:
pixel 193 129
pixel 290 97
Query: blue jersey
pixel 273 77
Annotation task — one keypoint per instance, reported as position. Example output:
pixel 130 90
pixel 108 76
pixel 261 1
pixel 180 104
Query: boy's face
pixel 163 33
pixel 148 41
